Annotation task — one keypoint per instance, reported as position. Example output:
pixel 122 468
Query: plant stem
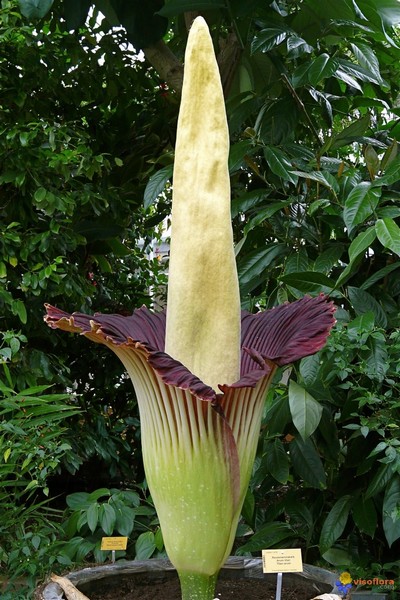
pixel 197 586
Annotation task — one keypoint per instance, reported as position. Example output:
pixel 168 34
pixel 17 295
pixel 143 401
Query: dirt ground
pixel 145 588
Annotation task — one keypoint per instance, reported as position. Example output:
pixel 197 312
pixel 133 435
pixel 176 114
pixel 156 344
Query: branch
pixel 168 67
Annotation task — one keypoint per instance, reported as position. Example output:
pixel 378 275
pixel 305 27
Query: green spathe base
pixel 196 586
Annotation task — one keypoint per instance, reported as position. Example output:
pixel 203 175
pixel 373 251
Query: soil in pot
pixel 146 586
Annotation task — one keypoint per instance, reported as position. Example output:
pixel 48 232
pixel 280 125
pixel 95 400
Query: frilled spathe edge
pixel 274 337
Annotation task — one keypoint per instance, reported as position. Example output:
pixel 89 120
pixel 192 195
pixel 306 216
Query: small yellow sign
pixel 114 543
pixel 282 561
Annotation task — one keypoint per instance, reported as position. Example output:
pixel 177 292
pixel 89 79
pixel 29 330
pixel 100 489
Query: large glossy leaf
pixel 392 173
pixel 278 416
pixel 145 545
pixel 322 67
pixel 356 250
pixel 328 259
pixel 76 13
pixel 305 410
pixel 279 164
pixel 268 38
pixel 125 516
pixel 143 24
pixel 156 185
pixel 107 518
pixel 377 359
pixel 360 204
pixel 380 480
pixel 253 268
pixel 349 134
pixel 380 274
pixel 92 516
pixel 360 243
pixel 270 535
pixel 388 233
pixel 309 282
pixel 264 214
pixel 391 516
pixel 364 515
pixel 367 58
pixel 325 178
pixel 176 7
pixel 363 302
pixel 35 9
pixel 277 460
pixel 309 367
pixel 335 523
pixel 237 154
pixel 307 463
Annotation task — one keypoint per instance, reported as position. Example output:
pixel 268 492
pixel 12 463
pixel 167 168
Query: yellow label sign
pixel 114 543
pixel 282 561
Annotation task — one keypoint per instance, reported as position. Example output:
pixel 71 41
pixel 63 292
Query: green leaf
pixel 76 13
pixel 328 259
pixel 248 507
pixel 372 161
pixel 265 213
pixel 279 164
pixel 18 308
pixel 323 177
pixel 360 204
pixel 107 518
pixel 335 523
pixel 176 7
pixel 364 515
pixel 278 415
pixel 253 268
pixel 145 545
pixel 392 173
pixel 363 302
pixel 93 496
pixel 368 60
pixel 156 185
pixel 78 501
pixel 379 275
pixel 360 243
pixel 307 463
pixel 321 68
pixel 348 134
pixel 391 512
pixel 390 155
pixel 305 410
pixel 247 201
pixel 381 478
pixel 309 367
pixel 309 282
pixel 267 537
pixel 92 516
pixel 377 360
pixel 357 247
pixel 40 195
pixel 125 520
pixel 237 154
pixel 388 234
pixel 268 38
pixel 277 460
pixel 35 9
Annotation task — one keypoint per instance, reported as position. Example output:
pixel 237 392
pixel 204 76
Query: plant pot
pixel 369 595
pixel 242 574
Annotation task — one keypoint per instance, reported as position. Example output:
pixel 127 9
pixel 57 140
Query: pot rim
pixel 252 567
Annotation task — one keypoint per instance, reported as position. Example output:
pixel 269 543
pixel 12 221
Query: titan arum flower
pixel 201 370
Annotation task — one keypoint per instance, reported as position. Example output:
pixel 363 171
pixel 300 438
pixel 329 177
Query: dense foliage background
pixel 87 115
